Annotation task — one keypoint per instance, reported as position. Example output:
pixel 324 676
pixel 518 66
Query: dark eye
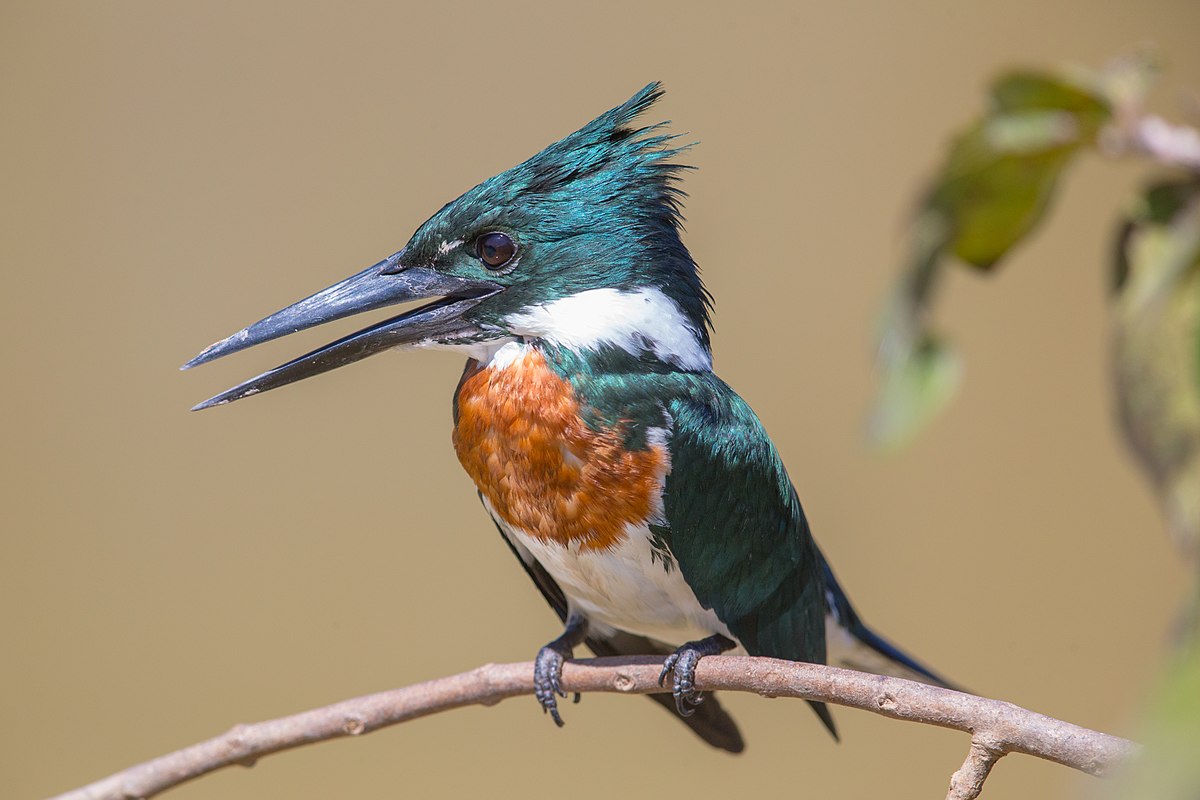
pixel 495 249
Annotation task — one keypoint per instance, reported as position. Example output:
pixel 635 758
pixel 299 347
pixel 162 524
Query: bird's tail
pixel 851 644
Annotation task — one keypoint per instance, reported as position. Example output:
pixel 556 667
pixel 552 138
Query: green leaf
pixel 917 386
pixel 1027 90
pixel 918 373
pixel 1164 201
pixel 1030 132
pixel 1000 175
pixel 1168 768
pixel 1156 348
pixel 996 186
pixel 1158 205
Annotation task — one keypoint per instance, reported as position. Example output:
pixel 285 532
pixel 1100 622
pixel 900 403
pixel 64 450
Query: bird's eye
pixel 495 249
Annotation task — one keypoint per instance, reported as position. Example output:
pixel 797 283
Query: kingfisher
pixel 639 492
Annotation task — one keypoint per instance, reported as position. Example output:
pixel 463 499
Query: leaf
pixel 916 388
pixel 1156 360
pixel 1156 348
pixel 1168 768
pixel 918 373
pixel 993 188
pixel 997 185
pixel 1001 173
pixel 1027 90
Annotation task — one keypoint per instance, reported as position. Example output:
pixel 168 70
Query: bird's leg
pixel 683 663
pixel 547 667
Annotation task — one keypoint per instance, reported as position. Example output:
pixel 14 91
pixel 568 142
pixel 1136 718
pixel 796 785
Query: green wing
pixel 735 526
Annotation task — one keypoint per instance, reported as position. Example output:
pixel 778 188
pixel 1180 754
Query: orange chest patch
pixel 521 439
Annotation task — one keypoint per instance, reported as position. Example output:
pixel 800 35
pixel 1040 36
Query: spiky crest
pixel 600 208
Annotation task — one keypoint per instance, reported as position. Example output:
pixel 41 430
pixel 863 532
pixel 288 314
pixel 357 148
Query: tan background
pixel 172 172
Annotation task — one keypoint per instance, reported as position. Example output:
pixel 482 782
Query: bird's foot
pixel 548 666
pixel 683 664
pixel 547 680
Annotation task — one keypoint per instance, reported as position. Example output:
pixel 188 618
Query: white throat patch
pixel 631 320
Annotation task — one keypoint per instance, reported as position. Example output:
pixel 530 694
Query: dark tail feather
pixel 887 650
pixel 822 711
pixel 710 722
pixel 870 651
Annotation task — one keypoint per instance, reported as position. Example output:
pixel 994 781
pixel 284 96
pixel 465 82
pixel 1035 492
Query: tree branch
pixel 996 727
pixel 967 782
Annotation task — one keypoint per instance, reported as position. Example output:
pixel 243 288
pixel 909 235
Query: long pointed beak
pixel 384 284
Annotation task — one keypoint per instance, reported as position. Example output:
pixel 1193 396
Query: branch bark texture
pixel 996 727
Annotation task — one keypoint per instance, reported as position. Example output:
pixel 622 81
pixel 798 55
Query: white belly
pixel 625 587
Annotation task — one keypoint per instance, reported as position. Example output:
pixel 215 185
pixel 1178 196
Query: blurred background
pixel 172 172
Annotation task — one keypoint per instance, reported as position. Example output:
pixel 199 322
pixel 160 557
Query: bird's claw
pixel 547 682
pixel 683 663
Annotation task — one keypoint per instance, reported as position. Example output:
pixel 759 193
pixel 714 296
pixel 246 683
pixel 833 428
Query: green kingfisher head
pixel 578 246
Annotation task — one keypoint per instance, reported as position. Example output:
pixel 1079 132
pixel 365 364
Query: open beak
pixel 384 284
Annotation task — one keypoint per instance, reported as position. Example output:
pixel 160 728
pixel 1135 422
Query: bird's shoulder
pixel 704 422
pixel 616 389
pixel 728 490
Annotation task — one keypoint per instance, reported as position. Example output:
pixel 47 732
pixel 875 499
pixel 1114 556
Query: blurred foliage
pixel 1001 173
pixel 1156 360
pixel 1156 347
pixel 993 189
pixel 919 370
pixel 1170 768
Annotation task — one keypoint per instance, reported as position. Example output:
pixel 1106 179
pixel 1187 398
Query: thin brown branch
pixel 1152 136
pixel 967 783
pixel 996 727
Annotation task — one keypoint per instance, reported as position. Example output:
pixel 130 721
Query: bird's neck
pixel 609 389
pixel 609 326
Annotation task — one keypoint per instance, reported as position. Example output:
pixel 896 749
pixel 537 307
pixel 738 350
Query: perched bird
pixel 638 491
